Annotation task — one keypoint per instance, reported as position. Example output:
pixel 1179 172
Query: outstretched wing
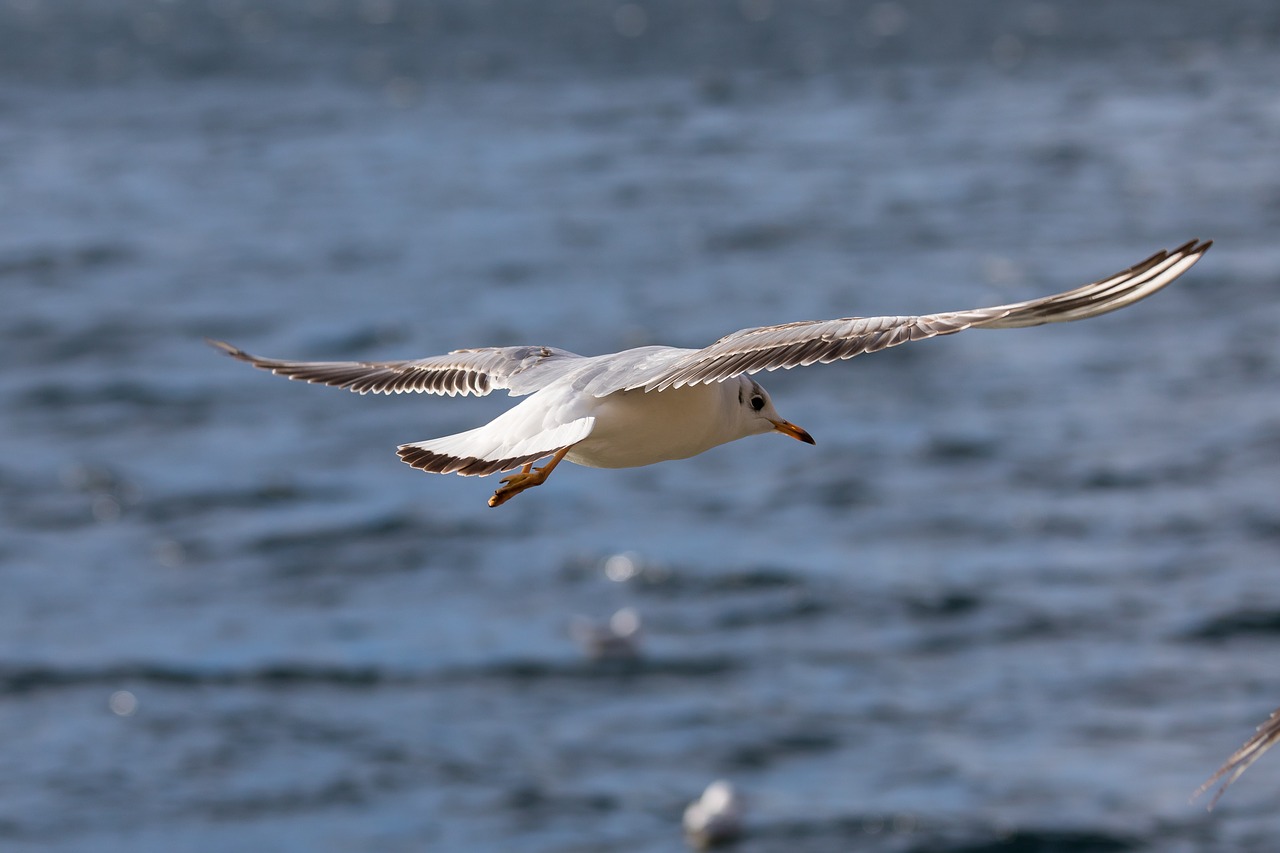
pixel 824 341
pixel 468 371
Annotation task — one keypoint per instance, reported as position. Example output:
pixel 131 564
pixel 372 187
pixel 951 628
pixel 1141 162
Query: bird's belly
pixel 635 428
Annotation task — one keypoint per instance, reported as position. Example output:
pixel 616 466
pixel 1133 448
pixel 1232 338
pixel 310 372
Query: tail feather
pixel 484 451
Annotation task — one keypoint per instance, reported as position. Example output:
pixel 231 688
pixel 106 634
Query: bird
pixel 1265 736
pixel 715 818
pixel 658 403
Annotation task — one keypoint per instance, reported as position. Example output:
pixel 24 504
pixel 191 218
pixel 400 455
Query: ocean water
pixel 1021 595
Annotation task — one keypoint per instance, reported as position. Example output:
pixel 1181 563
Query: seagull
pixel 656 403
pixel 1265 736
pixel 715 818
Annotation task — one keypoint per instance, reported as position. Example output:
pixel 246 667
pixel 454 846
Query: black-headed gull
pixel 656 403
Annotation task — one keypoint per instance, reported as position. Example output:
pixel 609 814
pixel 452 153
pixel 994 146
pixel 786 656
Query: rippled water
pixel 1020 596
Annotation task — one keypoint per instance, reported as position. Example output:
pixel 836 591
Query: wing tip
pixel 247 357
pixel 230 349
pixel 1194 246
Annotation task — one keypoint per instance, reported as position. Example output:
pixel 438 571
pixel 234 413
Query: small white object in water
pixel 715 817
pixel 618 639
pixel 656 403
pixel 621 568
pixel 123 703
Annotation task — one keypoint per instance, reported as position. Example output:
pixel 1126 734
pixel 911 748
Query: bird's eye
pixel 757 402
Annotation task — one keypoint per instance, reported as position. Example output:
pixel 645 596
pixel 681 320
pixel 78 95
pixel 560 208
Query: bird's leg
pixel 526 479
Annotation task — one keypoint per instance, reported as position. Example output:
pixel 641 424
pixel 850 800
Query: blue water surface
pixel 1021 595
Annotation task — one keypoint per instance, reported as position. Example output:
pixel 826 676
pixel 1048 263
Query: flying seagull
pixel 655 403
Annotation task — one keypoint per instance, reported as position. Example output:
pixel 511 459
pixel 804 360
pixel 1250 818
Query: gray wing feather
pixel 1266 736
pixel 601 376
pixel 824 341
pixel 520 370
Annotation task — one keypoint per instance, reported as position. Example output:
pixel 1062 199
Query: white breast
pixel 636 428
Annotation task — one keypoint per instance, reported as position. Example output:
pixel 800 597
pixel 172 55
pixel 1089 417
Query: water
pixel 1020 596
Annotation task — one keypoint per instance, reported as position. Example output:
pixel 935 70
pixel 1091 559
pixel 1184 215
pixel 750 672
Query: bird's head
pixel 758 416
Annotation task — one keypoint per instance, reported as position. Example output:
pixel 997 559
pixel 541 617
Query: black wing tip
pixel 237 353
pixel 1194 246
pixel 229 349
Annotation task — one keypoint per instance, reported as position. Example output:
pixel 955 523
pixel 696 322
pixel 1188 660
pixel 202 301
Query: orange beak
pixel 788 428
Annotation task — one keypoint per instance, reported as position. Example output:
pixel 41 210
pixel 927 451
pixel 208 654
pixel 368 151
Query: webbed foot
pixel 527 478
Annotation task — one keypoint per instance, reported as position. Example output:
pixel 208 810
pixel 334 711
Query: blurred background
pixel 1021 595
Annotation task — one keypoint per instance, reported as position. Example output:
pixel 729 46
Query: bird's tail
pixel 489 450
